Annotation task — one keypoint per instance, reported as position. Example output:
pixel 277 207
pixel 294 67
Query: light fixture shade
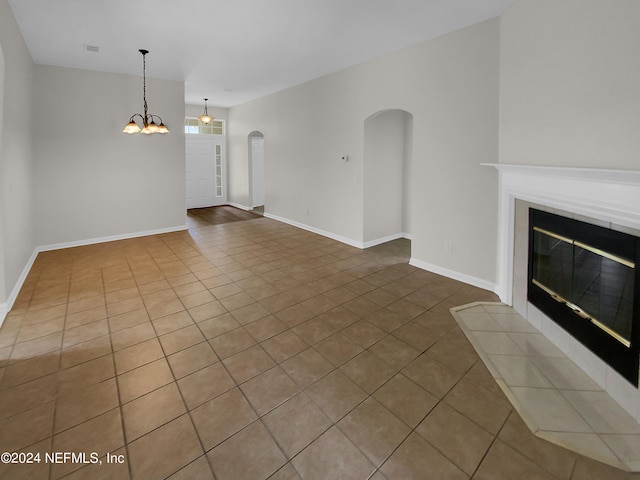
pixel 147 130
pixel 162 128
pixel 131 128
pixel 205 117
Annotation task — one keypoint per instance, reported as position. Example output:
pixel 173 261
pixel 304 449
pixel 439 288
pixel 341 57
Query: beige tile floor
pixel 255 350
pixel 555 398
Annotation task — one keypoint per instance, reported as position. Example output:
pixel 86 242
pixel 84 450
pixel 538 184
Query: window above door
pixel 193 125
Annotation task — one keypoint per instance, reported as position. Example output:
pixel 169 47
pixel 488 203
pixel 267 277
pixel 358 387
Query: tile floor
pixel 554 397
pixel 254 350
pixel 197 217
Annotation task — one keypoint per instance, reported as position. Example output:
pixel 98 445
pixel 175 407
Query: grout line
pixel 493 442
pixel 231 247
pixel 57 398
pixel 115 372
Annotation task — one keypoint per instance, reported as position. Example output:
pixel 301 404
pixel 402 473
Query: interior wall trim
pixel 6 307
pixel 340 238
pixel 241 207
pixel 462 277
pixel 455 275
pixel 388 238
pixel 319 231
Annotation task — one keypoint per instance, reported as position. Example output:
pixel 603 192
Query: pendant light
pixel 149 124
pixel 205 117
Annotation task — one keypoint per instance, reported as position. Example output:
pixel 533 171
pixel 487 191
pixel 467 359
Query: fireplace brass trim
pixel 581 313
pixel 553 294
pixel 584 246
pixel 614 334
pixel 602 253
pixel 554 235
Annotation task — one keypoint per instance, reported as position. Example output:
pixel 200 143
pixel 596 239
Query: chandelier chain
pixel 149 124
pixel 144 84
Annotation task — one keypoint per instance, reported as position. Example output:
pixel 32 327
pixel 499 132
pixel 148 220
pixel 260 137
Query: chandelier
pixel 205 117
pixel 149 124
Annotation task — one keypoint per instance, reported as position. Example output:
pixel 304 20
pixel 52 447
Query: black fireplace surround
pixel 584 278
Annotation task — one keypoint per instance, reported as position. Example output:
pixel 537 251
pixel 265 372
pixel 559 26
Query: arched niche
pixel 256 169
pixel 388 151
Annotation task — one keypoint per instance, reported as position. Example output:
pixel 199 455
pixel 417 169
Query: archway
pixel 388 147
pixel 256 170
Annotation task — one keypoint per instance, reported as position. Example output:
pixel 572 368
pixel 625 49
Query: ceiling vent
pixel 91 48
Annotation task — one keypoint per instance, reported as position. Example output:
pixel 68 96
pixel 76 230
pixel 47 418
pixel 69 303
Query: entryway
pixel 206 170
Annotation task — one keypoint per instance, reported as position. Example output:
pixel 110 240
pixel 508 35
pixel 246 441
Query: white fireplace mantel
pixel 609 197
pixel 603 194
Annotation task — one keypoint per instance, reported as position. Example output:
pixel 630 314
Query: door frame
pixel 214 140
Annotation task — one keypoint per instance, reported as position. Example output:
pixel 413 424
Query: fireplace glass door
pixel 583 276
pixel 594 283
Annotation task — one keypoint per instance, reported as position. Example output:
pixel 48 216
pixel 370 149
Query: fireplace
pixel 602 196
pixel 583 277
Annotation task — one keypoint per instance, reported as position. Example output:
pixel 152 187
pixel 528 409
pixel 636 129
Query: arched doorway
pixel 256 170
pixel 388 147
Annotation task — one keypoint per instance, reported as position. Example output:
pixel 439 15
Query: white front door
pixel 206 170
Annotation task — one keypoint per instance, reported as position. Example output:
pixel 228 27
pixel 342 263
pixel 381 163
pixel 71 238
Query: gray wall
pixel 569 78
pixel 68 174
pixel 92 180
pixel 17 226
pixel 550 82
pixel 450 86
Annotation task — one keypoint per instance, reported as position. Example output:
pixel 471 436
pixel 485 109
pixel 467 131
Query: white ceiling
pixel 232 51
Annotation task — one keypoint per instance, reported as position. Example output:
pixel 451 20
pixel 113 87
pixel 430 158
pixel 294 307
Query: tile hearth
pixel 555 398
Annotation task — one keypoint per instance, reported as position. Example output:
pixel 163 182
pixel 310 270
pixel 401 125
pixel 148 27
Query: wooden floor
pixel 218 215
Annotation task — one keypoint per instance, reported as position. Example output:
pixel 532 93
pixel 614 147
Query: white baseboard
pixel 111 238
pixel 5 307
pixel 241 207
pixel 468 279
pixel 309 228
pixel 477 282
pixel 339 238
pixel 461 277
pixel 388 238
